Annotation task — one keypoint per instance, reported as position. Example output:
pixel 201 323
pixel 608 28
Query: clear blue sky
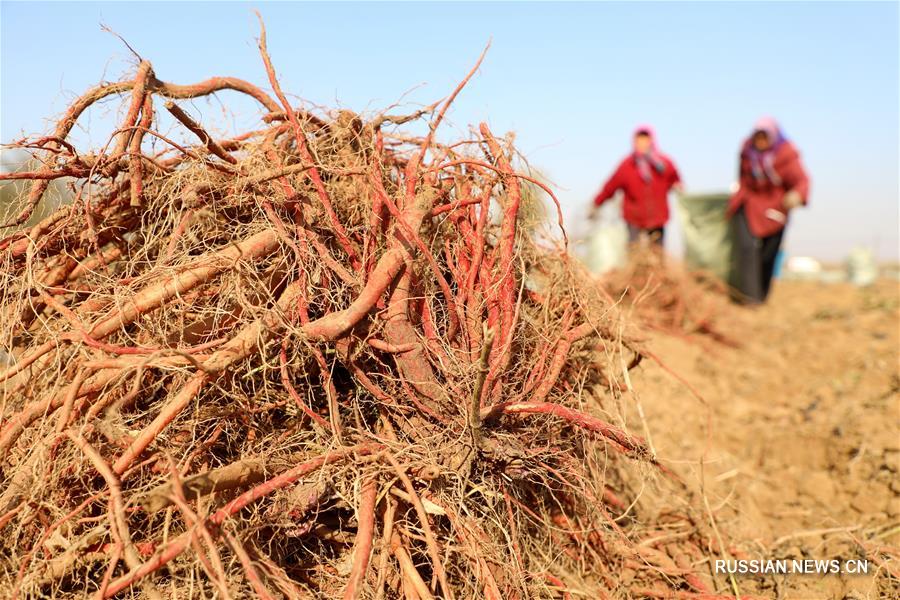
pixel 570 79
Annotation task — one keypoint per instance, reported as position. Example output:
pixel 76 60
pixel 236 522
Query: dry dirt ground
pixel 803 451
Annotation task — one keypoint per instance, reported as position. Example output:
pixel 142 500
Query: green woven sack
pixel 708 239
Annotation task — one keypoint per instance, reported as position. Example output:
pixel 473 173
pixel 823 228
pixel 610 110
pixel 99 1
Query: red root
pixel 180 544
pixel 629 443
pixel 362 550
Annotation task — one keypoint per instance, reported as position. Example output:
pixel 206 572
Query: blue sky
pixel 571 79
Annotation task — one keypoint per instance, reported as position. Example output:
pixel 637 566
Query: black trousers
pixel 655 235
pixel 755 260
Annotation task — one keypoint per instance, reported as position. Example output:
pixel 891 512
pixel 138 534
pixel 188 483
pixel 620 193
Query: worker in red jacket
pixel 645 177
pixel 772 183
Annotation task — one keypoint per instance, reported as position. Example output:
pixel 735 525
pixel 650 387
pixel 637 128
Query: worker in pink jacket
pixel 645 178
pixel 773 182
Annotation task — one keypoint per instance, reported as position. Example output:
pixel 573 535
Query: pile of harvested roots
pixel 663 296
pixel 320 359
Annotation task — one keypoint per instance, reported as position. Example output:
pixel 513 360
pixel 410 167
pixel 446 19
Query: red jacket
pixel 763 201
pixel 646 202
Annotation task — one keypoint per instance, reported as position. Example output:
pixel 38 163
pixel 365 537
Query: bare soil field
pixel 798 451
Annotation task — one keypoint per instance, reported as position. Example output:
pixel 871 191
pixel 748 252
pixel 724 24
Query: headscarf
pixel 762 164
pixel 650 160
